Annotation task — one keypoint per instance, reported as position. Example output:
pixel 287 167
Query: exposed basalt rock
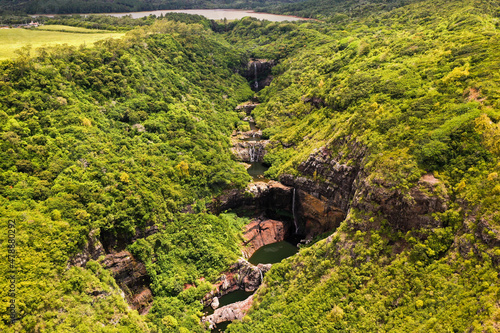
pixel 247 107
pixel 317 215
pixel 114 241
pixel 270 198
pixel 324 193
pixel 234 311
pixel 258 73
pixel 332 184
pixel 242 276
pixel 248 136
pixel 132 277
pixel 91 251
pixel 404 210
pixel 250 151
pixel 259 233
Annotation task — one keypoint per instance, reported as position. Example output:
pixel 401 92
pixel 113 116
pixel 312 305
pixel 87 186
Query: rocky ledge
pixel 234 311
pixel 250 151
pixel 242 276
pixel 267 198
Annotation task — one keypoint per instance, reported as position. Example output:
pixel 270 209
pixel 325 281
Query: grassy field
pixel 66 28
pixel 13 39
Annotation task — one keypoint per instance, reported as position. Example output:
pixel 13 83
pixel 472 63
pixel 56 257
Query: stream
pixel 270 253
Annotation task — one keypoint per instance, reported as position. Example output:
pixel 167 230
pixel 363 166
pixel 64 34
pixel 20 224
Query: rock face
pixel 404 210
pixel 250 151
pixel 247 107
pixel 330 187
pixel 91 251
pixel 131 276
pixel 269 198
pixel 259 233
pixel 258 73
pixel 242 276
pixel 229 312
pixel 317 215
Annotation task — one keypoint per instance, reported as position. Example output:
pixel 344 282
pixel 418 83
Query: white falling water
pixel 261 276
pixel 255 71
pixel 293 212
pixel 252 153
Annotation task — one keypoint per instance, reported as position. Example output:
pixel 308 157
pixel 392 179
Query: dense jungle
pixel 126 204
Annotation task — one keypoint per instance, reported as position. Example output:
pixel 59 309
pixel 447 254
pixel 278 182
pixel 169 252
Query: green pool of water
pixel 273 253
pixel 257 170
pixel 235 296
pixel 221 327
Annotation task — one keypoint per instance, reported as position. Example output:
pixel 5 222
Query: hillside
pixel 102 6
pixel 121 173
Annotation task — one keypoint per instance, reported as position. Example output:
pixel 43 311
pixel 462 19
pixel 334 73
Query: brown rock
pixel 132 277
pixel 242 276
pixel 234 311
pixel 317 216
pixel 259 233
pixel 263 197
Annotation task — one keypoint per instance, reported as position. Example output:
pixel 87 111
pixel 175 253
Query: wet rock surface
pixel 250 151
pixel 258 73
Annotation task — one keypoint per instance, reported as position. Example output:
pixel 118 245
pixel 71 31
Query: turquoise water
pixel 273 253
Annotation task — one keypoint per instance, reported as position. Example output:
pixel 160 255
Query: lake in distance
pixel 212 14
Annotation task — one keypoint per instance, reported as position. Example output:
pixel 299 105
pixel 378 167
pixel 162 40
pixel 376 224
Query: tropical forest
pixel 329 166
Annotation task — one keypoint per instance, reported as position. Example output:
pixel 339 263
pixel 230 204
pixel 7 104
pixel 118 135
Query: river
pixel 213 14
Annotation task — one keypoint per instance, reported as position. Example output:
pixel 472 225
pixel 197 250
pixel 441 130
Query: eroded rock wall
pixel 242 276
pixel 259 233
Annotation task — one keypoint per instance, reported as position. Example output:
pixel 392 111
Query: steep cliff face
pixel 258 73
pixel 259 233
pixel 269 198
pixel 332 184
pixel 91 251
pixel 404 210
pixel 132 277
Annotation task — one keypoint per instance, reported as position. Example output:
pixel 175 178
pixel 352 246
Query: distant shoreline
pixel 208 13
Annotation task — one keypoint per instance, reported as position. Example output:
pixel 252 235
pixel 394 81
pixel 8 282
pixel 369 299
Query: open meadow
pixel 15 38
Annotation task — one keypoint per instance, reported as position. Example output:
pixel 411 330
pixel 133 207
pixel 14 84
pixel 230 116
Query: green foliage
pixel 116 138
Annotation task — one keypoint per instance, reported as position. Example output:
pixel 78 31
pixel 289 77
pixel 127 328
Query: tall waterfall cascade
pixel 293 212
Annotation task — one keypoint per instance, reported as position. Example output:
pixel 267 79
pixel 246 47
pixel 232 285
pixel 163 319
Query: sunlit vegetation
pixel 134 132
pixel 14 39
pixel 115 138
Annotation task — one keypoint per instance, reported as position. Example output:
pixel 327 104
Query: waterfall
pixel 252 154
pixel 255 71
pixel 254 151
pixel 293 212
pixel 261 276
